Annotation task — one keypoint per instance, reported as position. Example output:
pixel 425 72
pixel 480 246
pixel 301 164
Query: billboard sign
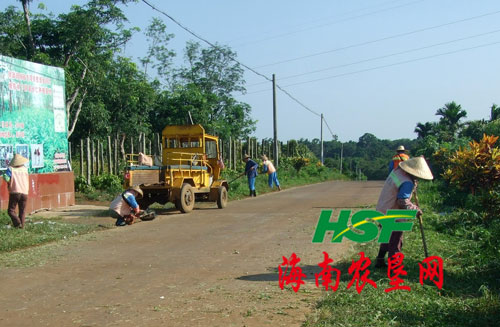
pixel 33 115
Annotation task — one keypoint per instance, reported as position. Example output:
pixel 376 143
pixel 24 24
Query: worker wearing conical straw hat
pixel 124 207
pixel 251 172
pixel 399 157
pixel 396 194
pixel 18 183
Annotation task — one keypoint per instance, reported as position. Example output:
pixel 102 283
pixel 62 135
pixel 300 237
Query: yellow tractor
pixel 189 172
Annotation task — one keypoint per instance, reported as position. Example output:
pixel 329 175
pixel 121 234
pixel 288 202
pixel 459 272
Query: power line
pixel 383 57
pixel 203 39
pixel 323 25
pixel 333 136
pixel 389 65
pixel 378 40
pixel 232 58
pixel 305 23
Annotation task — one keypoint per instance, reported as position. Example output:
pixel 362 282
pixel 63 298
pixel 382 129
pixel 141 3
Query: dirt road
pixel 208 268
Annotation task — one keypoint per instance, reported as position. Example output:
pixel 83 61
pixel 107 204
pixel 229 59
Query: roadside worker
pixel 396 194
pixel 268 168
pixel 251 172
pixel 399 157
pixel 124 207
pixel 17 179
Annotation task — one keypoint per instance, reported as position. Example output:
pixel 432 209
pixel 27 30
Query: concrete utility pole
pixel 341 155
pixel 275 125
pixel 322 158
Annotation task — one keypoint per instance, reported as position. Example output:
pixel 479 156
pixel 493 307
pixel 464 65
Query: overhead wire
pixel 382 57
pixel 385 66
pixel 378 40
pixel 326 24
pixel 232 58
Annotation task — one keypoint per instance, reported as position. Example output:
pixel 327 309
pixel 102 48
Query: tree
pixel 159 54
pixel 423 130
pixel 451 114
pixel 207 84
pixel 495 112
pixel 31 45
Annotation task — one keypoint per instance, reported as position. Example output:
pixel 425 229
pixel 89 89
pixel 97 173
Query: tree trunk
pixel 31 49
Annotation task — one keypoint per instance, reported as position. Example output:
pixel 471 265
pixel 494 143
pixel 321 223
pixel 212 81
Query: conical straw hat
pixel 417 167
pixel 18 160
pixel 138 190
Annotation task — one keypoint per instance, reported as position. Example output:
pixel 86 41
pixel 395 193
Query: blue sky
pixel 380 66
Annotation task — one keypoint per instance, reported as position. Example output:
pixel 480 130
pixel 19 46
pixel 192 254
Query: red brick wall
pixel 49 191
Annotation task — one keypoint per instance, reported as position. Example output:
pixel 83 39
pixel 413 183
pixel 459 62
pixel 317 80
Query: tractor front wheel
pixel 185 203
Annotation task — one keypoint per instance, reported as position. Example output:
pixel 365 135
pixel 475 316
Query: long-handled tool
pixel 239 176
pixel 421 224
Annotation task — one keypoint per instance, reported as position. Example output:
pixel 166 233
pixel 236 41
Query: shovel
pixel 421 225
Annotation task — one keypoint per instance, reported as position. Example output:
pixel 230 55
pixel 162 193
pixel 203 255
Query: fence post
pixel 116 156
pixel 81 157
pixel 110 162
pixel 88 161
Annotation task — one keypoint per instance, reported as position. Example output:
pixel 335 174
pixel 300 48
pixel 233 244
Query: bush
pixel 82 186
pixel 107 182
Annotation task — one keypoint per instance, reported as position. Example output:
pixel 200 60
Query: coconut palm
pixel 451 114
pixel 423 130
pixel 495 112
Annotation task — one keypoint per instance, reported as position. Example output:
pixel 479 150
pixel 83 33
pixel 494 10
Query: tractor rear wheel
pixel 186 199
pixel 222 198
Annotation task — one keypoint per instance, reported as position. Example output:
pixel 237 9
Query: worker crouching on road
pixel 396 194
pixel 268 168
pixel 17 179
pixel 251 172
pixel 124 207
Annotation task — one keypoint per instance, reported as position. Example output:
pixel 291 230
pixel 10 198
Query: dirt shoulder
pixel 208 268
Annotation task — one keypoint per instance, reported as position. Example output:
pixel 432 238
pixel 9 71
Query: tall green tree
pixel 495 112
pixel 423 130
pixel 213 75
pixel 451 114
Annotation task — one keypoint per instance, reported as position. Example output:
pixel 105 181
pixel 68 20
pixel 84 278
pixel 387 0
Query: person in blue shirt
pixel 396 194
pixel 124 207
pixel 251 172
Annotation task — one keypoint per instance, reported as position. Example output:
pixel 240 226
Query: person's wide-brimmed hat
pixel 18 160
pixel 264 157
pixel 138 190
pixel 246 156
pixel 401 148
pixel 417 167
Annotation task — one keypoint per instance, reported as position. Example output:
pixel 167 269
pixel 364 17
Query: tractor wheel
pixel 186 200
pixel 222 198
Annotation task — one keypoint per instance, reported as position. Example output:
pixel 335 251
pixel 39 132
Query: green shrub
pixel 107 182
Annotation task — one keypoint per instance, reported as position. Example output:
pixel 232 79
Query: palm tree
pixel 451 114
pixel 423 130
pixel 495 112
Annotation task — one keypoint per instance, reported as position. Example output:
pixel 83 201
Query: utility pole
pixel 322 158
pixel 275 125
pixel 341 155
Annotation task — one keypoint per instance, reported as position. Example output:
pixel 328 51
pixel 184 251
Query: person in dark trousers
pixel 124 207
pixel 17 179
pixel 396 194
pixel 251 172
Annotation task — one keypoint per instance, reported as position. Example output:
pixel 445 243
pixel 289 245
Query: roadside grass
pixel 39 231
pixel 471 290
pixel 288 177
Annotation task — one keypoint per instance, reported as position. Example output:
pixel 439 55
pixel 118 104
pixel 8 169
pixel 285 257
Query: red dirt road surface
pixel 208 268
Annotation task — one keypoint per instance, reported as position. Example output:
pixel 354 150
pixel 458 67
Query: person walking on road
pixel 251 172
pixel 268 168
pixel 17 179
pixel 396 194
pixel 124 207
pixel 399 157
